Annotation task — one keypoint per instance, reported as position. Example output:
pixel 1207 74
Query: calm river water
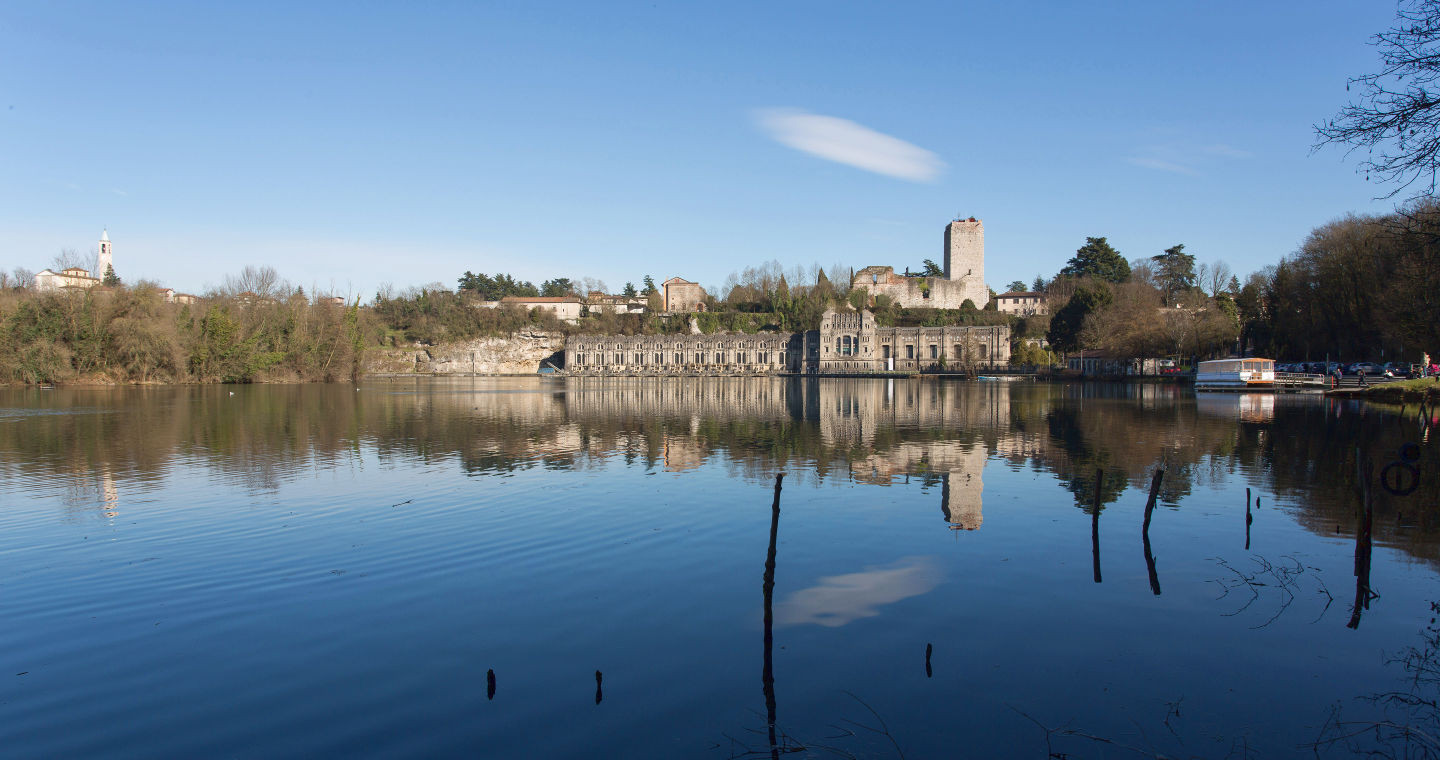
pixel 288 571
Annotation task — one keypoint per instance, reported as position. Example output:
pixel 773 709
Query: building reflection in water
pixel 873 432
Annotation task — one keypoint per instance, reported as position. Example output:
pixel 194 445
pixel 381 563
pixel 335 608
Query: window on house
pixel 719 358
pixel 678 359
pixel 909 351
pixel 885 351
pixel 934 351
pixel 958 353
pixel 983 347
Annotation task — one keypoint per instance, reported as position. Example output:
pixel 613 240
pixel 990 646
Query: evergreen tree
pixel 1039 285
pixel 1098 259
pixel 823 289
pixel 110 278
pixel 560 286
pixel 932 269
pixel 629 291
pixel 1016 286
pixel 649 285
pixel 1064 332
pixel 1174 272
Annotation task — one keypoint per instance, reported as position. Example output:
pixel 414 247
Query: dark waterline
pixel 548 568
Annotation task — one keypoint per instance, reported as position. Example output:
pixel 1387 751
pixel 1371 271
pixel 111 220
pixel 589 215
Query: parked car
pixel 1396 369
pixel 1371 368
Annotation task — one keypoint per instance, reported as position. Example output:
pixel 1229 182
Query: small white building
pixel 1021 302
pixel 47 280
pixel 565 308
pixel 599 303
pixel 70 277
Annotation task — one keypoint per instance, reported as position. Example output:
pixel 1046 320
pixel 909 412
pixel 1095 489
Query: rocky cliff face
pixel 520 354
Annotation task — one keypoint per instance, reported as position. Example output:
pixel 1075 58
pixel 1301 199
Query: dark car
pixel 1371 368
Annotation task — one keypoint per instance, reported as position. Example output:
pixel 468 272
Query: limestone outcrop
pixel 519 354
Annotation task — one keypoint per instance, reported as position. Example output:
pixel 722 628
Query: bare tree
pixel 264 282
pixel 586 285
pixel 22 278
pixel 1143 271
pixel 1215 278
pixel 1396 119
pixel 69 257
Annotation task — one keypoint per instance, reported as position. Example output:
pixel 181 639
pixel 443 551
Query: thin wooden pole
pixel 767 674
pixel 1145 530
pixel 1095 524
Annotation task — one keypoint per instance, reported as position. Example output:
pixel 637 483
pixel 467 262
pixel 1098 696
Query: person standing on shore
pixel 1361 373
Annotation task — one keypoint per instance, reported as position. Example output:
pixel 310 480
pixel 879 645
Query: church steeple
pixel 104 260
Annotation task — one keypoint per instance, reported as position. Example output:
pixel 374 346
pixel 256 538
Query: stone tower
pixel 965 258
pixel 103 260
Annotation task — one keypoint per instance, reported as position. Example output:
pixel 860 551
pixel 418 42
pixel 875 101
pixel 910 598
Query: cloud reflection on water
pixel 838 600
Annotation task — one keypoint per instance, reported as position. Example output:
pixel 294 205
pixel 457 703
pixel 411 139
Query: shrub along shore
pixel 132 335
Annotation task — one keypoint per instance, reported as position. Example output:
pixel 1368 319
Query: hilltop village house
pixel 679 295
pixel 847 342
pixel 964 277
pixel 1021 303
pixel 77 278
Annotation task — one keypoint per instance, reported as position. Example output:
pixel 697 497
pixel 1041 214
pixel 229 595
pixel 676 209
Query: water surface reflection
pixel 309 569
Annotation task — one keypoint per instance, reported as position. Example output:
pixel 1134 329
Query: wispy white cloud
pixel 1182 158
pixel 1226 151
pixel 1160 164
pixel 843 141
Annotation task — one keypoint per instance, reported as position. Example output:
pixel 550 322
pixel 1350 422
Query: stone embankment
pixel 520 354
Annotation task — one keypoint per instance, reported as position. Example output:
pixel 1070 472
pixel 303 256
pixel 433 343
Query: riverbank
pixel 1427 389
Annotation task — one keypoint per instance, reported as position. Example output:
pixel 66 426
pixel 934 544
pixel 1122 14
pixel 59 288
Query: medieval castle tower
pixel 963 279
pixel 965 258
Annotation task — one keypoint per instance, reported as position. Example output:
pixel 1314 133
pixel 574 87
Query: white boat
pixel 1236 375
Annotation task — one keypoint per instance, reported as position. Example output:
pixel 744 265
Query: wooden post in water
pixel 1095 524
pixel 1145 530
pixel 1364 519
pixel 767 674
pixel 1248 519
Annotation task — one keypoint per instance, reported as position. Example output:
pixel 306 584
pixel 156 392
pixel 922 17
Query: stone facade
pixel 682 295
pixel 964 274
pixel 847 342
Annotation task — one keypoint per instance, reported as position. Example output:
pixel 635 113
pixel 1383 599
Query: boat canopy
pixel 1236 365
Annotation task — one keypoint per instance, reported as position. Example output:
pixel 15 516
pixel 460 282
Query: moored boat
pixel 1236 375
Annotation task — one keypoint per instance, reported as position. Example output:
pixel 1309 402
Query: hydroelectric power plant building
pixel 847 343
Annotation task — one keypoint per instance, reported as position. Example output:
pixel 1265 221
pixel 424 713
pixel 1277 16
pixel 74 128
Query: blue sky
pixel 353 144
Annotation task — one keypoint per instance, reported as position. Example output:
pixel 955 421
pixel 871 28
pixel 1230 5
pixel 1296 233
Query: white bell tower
pixel 103 260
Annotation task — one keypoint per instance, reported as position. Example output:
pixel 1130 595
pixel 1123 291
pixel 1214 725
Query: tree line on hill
pixel 1360 287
